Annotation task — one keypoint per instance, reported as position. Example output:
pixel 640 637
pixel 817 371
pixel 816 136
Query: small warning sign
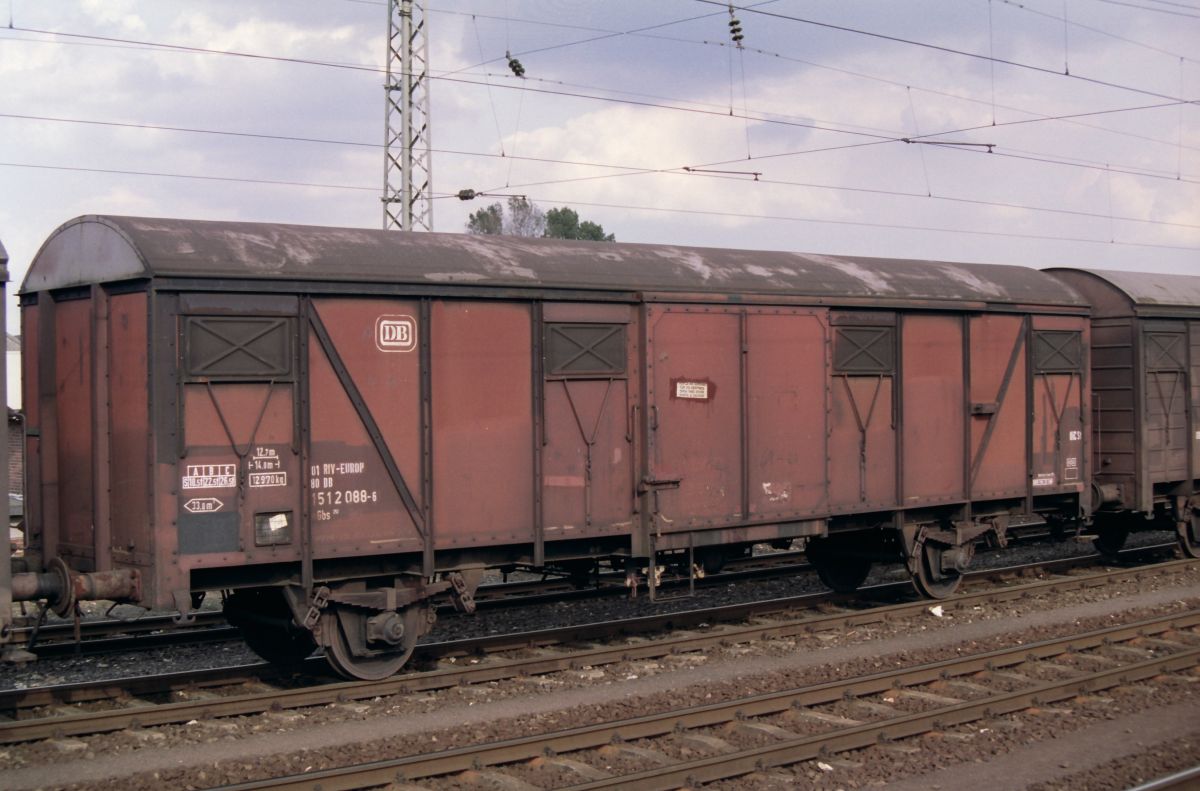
pixel 694 390
pixel 203 505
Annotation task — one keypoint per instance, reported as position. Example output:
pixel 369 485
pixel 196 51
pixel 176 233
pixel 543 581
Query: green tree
pixel 563 223
pixel 524 218
pixel 489 220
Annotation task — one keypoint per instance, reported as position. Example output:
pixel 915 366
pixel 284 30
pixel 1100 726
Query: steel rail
pixel 111 635
pixel 82 692
pixel 1188 778
pixel 501 669
pixel 789 750
pixel 60 631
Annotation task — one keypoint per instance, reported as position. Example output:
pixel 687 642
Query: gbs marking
pixel 395 333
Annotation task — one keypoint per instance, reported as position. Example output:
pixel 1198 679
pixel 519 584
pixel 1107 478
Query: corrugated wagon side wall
pixel 130 432
pixel 85 378
pixel 30 359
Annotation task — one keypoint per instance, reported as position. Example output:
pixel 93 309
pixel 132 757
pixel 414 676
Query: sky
pixel 1055 132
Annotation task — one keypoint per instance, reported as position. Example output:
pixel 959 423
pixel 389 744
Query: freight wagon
pixel 1145 361
pixel 339 426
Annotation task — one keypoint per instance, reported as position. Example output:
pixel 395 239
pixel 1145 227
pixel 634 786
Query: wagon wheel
pixel 841 571
pixel 844 575
pixel 929 578
pixel 264 620
pixel 1110 537
pixel 1189 536
pixel 343 637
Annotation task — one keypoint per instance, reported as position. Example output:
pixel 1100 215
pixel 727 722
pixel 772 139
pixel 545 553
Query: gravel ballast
pixel 231 750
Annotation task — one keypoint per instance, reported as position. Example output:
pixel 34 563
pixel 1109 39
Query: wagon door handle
pixel 654 417
pixel 656 484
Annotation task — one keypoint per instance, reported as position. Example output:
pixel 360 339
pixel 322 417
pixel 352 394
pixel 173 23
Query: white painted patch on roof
pixel 256 252
pixel 498 260
pixel 875 280
pixel 690 259
pixel 973 281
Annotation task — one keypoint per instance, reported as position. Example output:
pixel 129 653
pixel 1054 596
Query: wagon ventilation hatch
pixel 238 348
pixel 583 350
pixel 1057 351
pixel 864 350
pixel 1165 351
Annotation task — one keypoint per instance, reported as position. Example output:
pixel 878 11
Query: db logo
pixel 396 333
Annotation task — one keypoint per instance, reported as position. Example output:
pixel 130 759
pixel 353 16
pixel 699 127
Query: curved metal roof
pixel 104 249
pixel 1140 291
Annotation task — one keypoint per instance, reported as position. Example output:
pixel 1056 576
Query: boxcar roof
pixel 97 249
pixel 1116 292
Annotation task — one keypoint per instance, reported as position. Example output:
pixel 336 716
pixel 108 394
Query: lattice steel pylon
pixel 407 165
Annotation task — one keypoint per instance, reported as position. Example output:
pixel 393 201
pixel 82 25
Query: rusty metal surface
pixel 482 423
pixel 1133 291
pixel 358 505
pixel 74 398
pixel 785 413
pixel 1061 402
pixel 932 408
pixel 997 406
pixel 121 248
pixel 129 447
pixel 695 414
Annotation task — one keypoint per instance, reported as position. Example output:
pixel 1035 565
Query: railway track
pixel 113 635
pixel 39 713
pixel 801 724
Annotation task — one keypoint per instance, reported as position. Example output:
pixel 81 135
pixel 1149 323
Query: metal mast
pixel 407 166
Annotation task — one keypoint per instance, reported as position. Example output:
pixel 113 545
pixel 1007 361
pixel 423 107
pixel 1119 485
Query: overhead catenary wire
pixel 761 179
pixel 491 99
pixel 625 169
pixel 829 127
pixel 866 224
pixel 1093 29
pixel 323 63
pixel 1156 10
pixel 932 135
pixel 947 50
pixel 631 207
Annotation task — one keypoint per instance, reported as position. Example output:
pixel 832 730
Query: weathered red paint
pixel 412 424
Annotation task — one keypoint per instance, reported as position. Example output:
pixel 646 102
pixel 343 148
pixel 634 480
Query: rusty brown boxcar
pixel 340 425
pixel 1145 402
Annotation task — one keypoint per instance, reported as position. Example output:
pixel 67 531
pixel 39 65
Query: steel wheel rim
pixel 1189 536
pixel 925 582
pixel 357 668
